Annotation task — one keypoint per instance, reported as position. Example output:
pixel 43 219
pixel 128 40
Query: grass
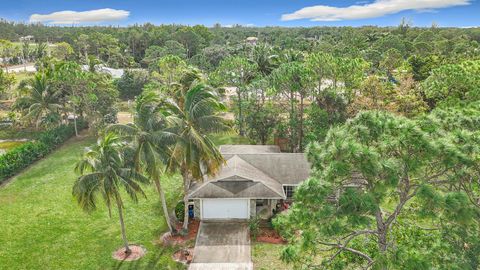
pixel 7 145
pixel 267 256
pixel 9 133
pixel 42 227
pixel 20 76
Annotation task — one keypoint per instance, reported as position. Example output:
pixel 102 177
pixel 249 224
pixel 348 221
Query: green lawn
pixel 267 256
pixel 41 226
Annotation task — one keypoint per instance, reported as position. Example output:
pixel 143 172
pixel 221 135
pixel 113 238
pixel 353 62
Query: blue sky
pixel 461 13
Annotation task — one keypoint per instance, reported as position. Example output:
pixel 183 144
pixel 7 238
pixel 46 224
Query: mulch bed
pixel 175 240
pixel 184 255
pixel 269 235
pixel 137 253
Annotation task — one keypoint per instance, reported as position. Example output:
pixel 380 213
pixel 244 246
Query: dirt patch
pixel 184 255
pixel 269 235
pixel 178 239
pixel 137 253
pixel 124 117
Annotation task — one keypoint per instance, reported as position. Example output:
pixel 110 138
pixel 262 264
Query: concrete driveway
pixel 222 245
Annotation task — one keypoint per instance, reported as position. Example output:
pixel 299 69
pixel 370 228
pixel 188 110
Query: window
pixel 289 190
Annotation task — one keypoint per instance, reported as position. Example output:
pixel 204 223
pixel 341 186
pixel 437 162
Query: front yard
pixel 42 227
pixel 267 256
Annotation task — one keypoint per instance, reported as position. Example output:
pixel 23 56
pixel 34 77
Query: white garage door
pixel 225 208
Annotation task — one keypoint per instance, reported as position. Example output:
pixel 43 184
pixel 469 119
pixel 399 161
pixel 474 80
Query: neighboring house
pixel 26 38
pixel 116 73
pixel 253 180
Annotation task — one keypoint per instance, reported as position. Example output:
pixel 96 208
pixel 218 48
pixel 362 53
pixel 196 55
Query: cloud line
pixel 378 8
pixel 77 17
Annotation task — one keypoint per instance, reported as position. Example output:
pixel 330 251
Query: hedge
pixel 22 156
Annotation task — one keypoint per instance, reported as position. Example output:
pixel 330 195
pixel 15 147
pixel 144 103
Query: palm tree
pixel 190 120
pixel 265 58
pixel 145 137
pixel 42 100
pixel 103 172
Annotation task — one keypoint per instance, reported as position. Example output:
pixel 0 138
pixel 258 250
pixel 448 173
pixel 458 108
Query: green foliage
pixel 180 210
pixel 6 81
pixel 24 155
pixel 131 83
pixel 376 176
pixel 254 226
pixel 453 83
pixel 422 66
pixel 261 120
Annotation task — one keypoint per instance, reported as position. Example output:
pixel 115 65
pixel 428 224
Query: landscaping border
pixel 20 157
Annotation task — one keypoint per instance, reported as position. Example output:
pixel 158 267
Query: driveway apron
pixel 222 245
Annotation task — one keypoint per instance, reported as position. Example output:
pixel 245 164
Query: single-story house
pixel 253 180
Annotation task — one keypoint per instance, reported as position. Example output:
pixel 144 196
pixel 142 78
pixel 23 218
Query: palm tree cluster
pixel 169 134
pixel 61 90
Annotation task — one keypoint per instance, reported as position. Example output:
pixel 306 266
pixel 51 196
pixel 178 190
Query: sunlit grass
pixel 42 227
pixel 267 256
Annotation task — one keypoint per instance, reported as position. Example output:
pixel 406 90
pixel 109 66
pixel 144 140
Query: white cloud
pixel 375 9
pixel 76 17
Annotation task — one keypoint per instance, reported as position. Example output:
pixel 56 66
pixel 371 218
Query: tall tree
pixel 189 122
pixel 236 72
pixel 104 171
pixel 41 100
pixel 372 175
pixel 145 135
pixel 291 82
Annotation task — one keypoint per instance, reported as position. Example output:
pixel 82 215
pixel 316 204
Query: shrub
pixel 180 211
pixel 22 156
pixel 254 226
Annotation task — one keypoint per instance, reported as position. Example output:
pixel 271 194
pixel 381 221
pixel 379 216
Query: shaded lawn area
pixel 267 256
pixel 42 227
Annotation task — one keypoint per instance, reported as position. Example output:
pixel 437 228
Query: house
pixel 116 73
pixel 254 179
pixel 26 38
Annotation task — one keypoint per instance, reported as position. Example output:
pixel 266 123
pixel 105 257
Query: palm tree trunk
pixel 300 137
pixel 75 121
pixel 158 185
pixel 186 186
pixel 122 225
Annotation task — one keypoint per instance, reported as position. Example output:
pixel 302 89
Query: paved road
pixel 21 68
pixel 222 245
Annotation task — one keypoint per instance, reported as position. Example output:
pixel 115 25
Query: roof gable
pixel 255 172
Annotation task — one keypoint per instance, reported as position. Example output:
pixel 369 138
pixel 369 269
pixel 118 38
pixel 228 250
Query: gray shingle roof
pixel 253 171
pixel 286 168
